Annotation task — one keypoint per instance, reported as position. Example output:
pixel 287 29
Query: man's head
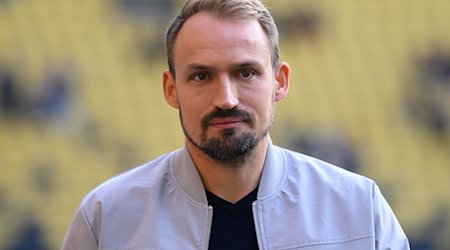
pixel 230 9
pixel 224 78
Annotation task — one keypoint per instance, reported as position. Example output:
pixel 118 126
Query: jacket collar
pixel 274 172
pixel 188 179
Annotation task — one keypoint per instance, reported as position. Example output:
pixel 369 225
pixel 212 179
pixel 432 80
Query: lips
pixel 230 118
pixel 219 121
pixel 228 122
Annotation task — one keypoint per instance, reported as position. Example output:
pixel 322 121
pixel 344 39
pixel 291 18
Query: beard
pixel 230 148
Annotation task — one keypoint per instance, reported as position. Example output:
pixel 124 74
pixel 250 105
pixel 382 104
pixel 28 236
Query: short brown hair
pixel 234 9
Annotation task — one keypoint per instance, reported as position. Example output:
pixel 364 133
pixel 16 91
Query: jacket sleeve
pixel 79 236
pixel 388 233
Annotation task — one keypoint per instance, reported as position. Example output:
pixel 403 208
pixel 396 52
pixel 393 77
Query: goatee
pixel 230 148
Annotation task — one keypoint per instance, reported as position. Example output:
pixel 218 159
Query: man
pixel 229 187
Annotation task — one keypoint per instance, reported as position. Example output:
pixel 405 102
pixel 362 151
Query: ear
pixel 170 91
pixel 282 81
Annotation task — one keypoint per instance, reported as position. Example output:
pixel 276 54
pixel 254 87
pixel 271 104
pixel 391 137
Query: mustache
pixel 224 113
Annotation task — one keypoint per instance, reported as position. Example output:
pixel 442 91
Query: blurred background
pixel 81 101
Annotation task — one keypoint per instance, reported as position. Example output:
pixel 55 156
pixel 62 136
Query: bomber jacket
pixel 302 203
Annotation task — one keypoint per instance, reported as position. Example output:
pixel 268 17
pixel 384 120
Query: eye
pixel 247 73
pixel 200 76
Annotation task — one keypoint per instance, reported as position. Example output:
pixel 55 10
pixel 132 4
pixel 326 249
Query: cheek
pixel 267 112
pixel 188 115
pixel 262 110
pixel 191 117
pixel 193 99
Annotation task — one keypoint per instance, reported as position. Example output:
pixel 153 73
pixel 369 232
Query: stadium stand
pixel 353 66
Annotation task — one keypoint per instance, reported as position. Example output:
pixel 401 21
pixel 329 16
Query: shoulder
pixel 138 181
pixel 308 171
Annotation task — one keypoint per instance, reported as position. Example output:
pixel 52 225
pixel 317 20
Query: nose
pixel 226 95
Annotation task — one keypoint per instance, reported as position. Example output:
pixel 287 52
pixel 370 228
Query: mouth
pixel 226 123
pixel 226 119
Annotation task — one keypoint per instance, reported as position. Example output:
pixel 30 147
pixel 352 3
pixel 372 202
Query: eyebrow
pixel 245 64
pixel 248 63
pixel 197 66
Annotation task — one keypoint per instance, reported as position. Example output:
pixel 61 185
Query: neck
pixel 230 183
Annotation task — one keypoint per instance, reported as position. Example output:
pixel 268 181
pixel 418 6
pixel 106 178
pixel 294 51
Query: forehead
pixel 205 37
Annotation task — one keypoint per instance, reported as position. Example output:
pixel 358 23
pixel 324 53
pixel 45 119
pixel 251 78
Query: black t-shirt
pixel 232 225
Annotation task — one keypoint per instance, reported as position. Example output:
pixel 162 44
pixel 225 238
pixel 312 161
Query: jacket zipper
pixel 208 233
pixel 257 226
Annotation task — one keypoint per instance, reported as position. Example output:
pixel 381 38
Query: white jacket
pixel 302 203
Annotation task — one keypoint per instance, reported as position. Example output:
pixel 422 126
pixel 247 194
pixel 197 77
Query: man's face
pixel 224 85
